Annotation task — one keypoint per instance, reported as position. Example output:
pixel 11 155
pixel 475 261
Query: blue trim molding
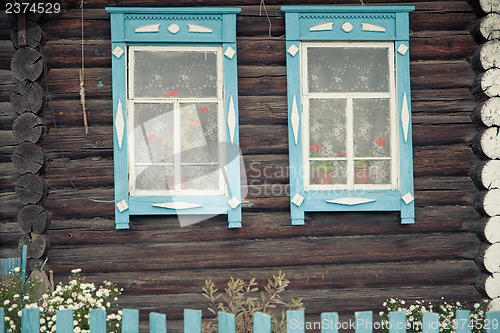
pixel 174 27
pixel 349 23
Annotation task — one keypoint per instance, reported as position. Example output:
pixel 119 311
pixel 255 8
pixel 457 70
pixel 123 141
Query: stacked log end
pixel 486 144
pixel 28 101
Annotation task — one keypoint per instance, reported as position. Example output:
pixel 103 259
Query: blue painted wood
pixel 226 323
pixel 463 321
pixel 397 322
pixel 8 265
pixel 30 320
pixel 395 21
pixel 130 321
pixel 64 321
pixel 363 321
pixel 97 321
pixel 261 323
pixel 192 321
pixel 430 322
pixel 329 322
pixel 24 259
pixel 2 321
pixel 157 322
pixel 295 321
pixel 222 22
pixel 492 322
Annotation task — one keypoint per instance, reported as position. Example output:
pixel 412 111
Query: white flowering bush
pixel 414 315
pixel 77 295
pixel 14 296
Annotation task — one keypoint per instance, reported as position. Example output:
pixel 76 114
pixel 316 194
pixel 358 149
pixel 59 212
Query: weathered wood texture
pixel 338 261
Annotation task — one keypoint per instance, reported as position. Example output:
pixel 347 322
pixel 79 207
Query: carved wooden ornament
pixel 233 202
pixel 122 206
pixel 118 52
pixel 350 201
pixel 199 29
pixel 177 205
pixel 293 50
pixel 231 119
pixel 322 27
pixel 149 28
pixel 295 119
pixel 297 200
pixel 119 124
pixel 405 117
pixel 371 27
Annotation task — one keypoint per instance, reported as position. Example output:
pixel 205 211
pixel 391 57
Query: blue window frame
pixel 175 112
pixel 348 79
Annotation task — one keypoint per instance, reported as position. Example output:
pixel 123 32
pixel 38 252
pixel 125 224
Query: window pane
pixel 154 133
pixel 327 128
pixel 372 127
pixel 204 177
pixel 199 134
pixel 178 74
pixel 348 69
pixel 328 172
pixel 154 177
pixel 372 172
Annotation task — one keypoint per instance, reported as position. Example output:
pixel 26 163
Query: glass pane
pixel 348 69
pixel 154 177
pixel 372 127
pixel 201 177
pixel 372 172
pixel 328 172
pixel 154 133
pixel 327 128
pixel 178 74
pixel 199 135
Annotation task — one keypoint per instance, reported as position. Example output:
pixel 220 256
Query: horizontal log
pixel 257 225
pixel 219 254
pixel 6 52
pixel 318 277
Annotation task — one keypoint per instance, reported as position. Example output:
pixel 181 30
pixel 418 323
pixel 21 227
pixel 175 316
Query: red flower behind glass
pixel 380 142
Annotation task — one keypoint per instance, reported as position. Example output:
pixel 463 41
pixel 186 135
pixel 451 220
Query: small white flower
pixel 6 302
pixel 17 269
pixel 381 313
pixel 16 296
pixel 77 270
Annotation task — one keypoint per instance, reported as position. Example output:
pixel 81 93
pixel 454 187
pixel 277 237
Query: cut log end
pixel 26 64
pixel 483 7
pixel 33 218
pixel 487 84
pixel 486 176
pixel 487 28
pixel 488 202
pixel 486 56
pixel 486 144
pixel 487 114
pixel 28 127
pixel 28 158
pixel 30 189
pixel 27 97
pixel 37 245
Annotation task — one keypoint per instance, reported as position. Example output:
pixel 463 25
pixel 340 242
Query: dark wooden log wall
pixel 338 261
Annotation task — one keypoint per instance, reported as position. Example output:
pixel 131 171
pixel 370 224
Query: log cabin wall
pixel 341 262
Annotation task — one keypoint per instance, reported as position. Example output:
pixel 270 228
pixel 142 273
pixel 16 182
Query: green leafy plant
pixel 414 315
pixel 363 164
pixel 326 166
pixel 241 299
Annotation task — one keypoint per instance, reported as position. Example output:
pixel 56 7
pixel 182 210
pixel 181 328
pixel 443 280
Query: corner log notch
pixel 486 144
pixel 27 99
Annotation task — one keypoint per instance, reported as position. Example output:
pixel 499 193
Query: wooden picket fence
pixel 296 323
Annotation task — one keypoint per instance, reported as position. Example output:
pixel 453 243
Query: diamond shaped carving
pixel 297 200
pixel 230 52
pixel 122 206
pixel 347 27
pixel 231 119
pixel 407 198
pixel 402 49
pixel 293 50
pixel 119 124
pixel 295 119
pixel 233 202
pixel 118 52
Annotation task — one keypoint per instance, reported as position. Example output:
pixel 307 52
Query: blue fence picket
pixel 463 321
pixel 2 321
pixel 30 321
pixel 97 321
pixel 157 323
pixel 64 321
pixel 492 322
pixel 226 323
pixel 192 321
pixel 397 322
pixel 130 321
pixel 295 321
pixel 261 323
pixel 330 322
pixel 363 321
pixel 430 322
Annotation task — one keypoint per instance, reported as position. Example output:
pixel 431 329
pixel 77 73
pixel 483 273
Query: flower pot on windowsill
pixel 361 176
pixel 171 182
pixel 323 176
